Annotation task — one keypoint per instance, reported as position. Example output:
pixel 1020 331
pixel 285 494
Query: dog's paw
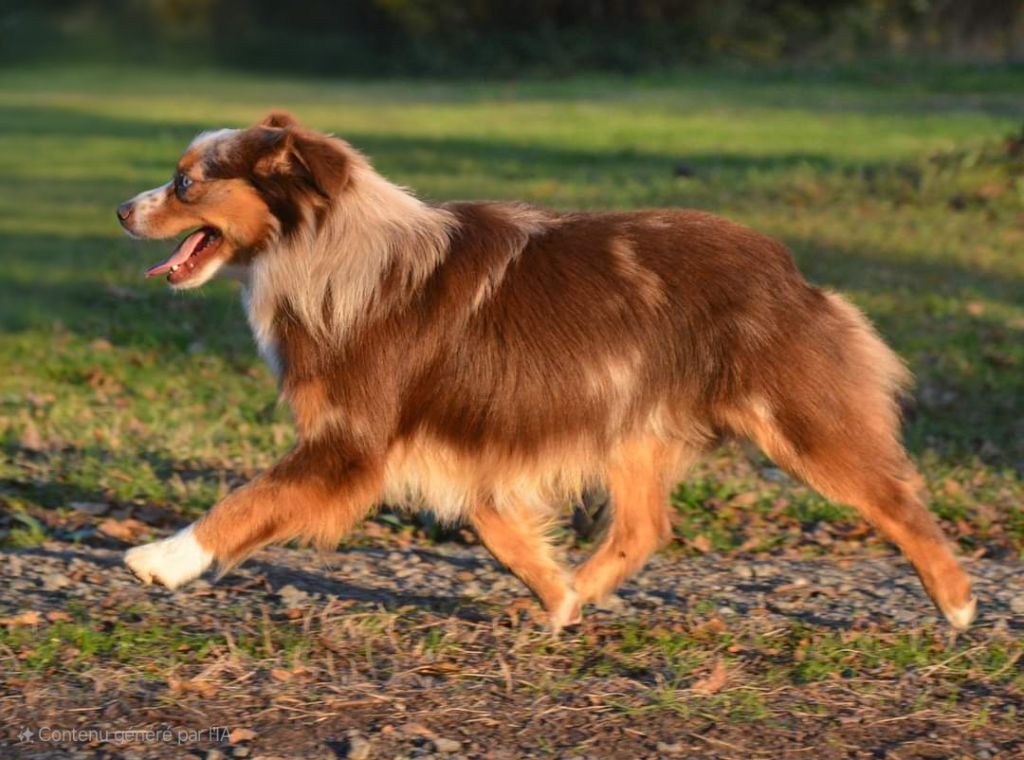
pixel 171 562
pixel 568 612
pixel 962 617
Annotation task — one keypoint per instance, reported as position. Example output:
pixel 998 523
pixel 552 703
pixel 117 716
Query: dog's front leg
pixel 315 494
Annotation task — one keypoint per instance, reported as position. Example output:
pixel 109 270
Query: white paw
pixel 170 562
pixel 962 618
pixel 568 612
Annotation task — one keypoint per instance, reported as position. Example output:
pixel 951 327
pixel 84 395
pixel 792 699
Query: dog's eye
pixel 182 183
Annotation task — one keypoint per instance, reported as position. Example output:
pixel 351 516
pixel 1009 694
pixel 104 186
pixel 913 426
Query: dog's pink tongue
pixel 180 255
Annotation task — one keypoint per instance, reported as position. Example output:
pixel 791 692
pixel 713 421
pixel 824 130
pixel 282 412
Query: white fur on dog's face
pixel 143 204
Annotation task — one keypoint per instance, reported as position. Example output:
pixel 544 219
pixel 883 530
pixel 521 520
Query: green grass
pixel 894 189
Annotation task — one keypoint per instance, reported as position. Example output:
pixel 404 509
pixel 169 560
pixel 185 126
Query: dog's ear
pixel 279 119
pixel 316 160
pixel 325 158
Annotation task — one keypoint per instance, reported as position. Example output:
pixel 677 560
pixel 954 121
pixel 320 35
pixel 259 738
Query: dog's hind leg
pixel 870 472
pixel 829 416
pixel 519 539
pixel 315 494
pixel 638 481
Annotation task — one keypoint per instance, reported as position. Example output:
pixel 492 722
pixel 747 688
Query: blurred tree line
pixel 501 37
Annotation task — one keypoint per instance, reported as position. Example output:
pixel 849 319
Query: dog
pixel 489 361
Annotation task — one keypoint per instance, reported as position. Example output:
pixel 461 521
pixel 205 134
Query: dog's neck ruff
pixel 330 271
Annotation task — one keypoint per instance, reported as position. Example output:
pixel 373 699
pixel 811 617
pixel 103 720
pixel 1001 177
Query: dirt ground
pixel 429 651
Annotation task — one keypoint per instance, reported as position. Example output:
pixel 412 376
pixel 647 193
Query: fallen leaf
pixel 123 530
pixel 29 617
pixel 58 616
pixel 241 735
pixel 713 681
pixel 975 308
pixel 439 669
pixel 416 729
pixel 701 543
pixel 280 674
pixel 952 488
pixel 199 686
pixel 30 438
pixel 745 499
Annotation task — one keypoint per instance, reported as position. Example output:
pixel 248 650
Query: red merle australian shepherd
pixel 490 360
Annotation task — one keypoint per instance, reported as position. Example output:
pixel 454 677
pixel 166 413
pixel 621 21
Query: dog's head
pixel 238 192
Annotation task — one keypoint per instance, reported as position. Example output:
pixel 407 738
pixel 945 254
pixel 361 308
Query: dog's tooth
pixel 175 267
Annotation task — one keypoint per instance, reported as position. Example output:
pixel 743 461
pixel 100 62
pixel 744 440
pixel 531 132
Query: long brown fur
pixel 491 360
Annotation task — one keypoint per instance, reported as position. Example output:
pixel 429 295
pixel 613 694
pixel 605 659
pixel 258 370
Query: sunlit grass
pixel 115 388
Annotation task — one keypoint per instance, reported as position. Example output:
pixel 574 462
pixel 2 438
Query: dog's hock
pixel 171 562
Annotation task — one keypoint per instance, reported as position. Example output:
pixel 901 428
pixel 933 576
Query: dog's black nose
pixel 124 211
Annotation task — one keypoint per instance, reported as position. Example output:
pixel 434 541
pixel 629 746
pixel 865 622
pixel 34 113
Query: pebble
pixel 744 571
pixel 293 597
pixel 669 749
pixel 613 603
pixel 879 588
pixel 446 746
pixel 56 581
pixel 215 754
pixel 14 566
pixel 94 508
pixel 358 748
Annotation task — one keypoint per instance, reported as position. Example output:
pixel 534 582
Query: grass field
pixel 900 193
pixel 904 192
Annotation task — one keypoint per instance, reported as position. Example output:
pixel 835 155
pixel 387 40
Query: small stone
pixel 670 749
pixel 613 603
pixel 1017 604
pixel 55 581
pixel 357 748
pixel 94 508
pixel 215 754
pixel 746 572
pixel 446 746
pixel 293 597
pixel 240 752
pixel 416 729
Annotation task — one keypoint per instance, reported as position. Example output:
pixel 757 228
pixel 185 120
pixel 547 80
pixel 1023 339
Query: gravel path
pixel 504 693
pixel 820 592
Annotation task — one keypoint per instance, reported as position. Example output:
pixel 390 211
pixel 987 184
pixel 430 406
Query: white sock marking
pixel 962 618
pixel 567 613
pixel 171 562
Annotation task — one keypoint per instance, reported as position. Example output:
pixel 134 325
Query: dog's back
pixel 489 360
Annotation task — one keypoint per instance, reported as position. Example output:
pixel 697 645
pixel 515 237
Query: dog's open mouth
pixel 190 257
